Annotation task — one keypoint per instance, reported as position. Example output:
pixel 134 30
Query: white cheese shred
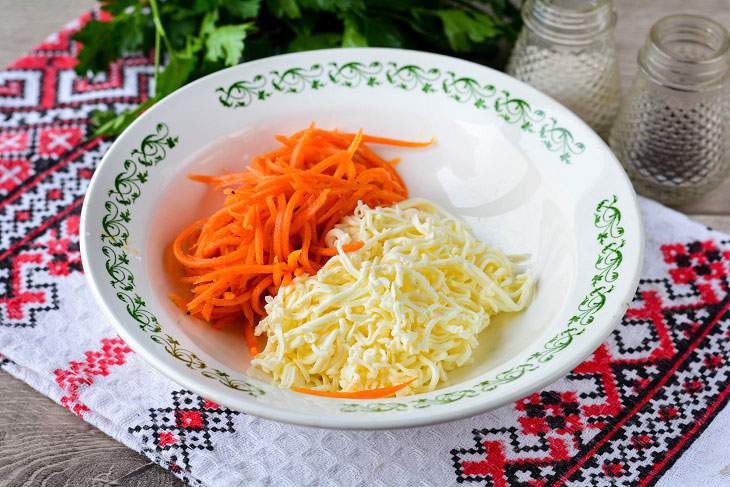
pixel 410 303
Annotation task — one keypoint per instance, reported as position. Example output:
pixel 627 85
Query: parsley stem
pixel 160 30
pixel 157 58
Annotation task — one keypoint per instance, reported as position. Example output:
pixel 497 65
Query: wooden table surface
pixel 42 443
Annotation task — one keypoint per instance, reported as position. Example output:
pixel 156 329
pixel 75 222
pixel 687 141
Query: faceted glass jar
pixel 673 133
pixel 566 50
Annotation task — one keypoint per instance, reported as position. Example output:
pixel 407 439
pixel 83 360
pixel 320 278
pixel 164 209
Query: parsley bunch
pixel 198 37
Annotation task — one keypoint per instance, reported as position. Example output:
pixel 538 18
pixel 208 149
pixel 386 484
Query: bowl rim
pixel 369 421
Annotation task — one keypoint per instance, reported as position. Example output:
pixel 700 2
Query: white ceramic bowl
pixel 525 173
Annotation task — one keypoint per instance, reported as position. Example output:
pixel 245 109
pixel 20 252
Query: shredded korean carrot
pixel 331 251
pixel 274 219
pixel 367 394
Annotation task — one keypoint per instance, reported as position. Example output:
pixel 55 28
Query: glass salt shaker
pixel 673 133
pixel 566 50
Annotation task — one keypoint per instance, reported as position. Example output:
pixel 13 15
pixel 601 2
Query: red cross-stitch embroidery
pixel 620 418
pixel 633 399
pixel 81 374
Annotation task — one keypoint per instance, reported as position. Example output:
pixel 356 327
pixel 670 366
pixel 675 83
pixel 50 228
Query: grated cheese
pixel 410 303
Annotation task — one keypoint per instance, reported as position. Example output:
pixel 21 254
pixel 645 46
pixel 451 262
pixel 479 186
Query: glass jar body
pixel 674 144
pixel 583 76
pixel 673 133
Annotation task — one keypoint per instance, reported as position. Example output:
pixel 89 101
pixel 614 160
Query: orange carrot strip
pixel 355 143
pixel 331 251
pixel 188 280
pixel 183 236
pixel 248 330
pixel 367 394
pixel 291 261
pixel 231 303
pixel 180 302
pixel 370 139
pixel 259 239
pixel 235 270
pixel 286 222
pixel 207 311
pixel 278 272
pixel 296 156
pixel 311 211
pixel 333 210
pixel 212 246
pixel 204 296
pixel 275 217
pixel 278 166
pixel 367 153
pixel 271 203
pixel 280 209
pixel 222 322
pixel 256 295
pixel 306 240
pixel 287 279
pixel 268 237
pixel 327 162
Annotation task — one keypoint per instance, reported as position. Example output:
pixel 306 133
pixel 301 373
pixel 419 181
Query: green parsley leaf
pixel 202 6
pixel 180 30
pixel 352 35
pixel 110 125
pixel 105 42
pixel 174 75
pixel 207 26
pixel 198 37
pixel 462 28
pixel 332 5
pixel 99 117
pixel 283 8
pixel 382 32
pixel 226 43
pixel 100 47
pixel 133 32
pixel 242 8
pixel 324 40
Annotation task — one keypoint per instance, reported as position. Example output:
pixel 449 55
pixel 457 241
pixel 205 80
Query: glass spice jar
pixel 673 133
pixel 566 50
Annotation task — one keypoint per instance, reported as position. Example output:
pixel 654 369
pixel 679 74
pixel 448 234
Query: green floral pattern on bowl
pixel 407 77
pixel 127 188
